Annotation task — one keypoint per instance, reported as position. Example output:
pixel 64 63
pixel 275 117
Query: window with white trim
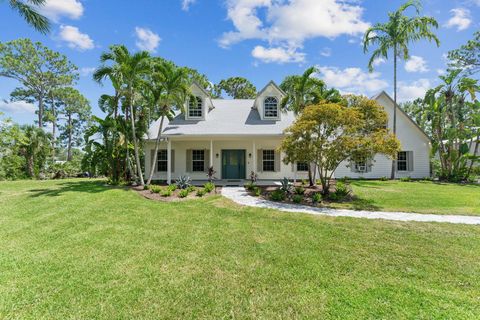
pixel 361 164
pixel 162 161
pixel 402 161
pixel 302 166
pixel 270 107
pixel 198 160
pixel 268 163
pixel 195 108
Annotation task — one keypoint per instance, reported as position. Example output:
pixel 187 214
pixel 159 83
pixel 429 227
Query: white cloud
pixel 289 23
pixel 416 64
pixel 278 55
pixel 186 4
pixel 441 72
pixel 326 52
pixel 352 80
pixel 75 39
pixel 461 19
pixel 146 39
pixel 17 107
pixel 413 90
pixel 379 61
pixel 55 9
pixel 86 71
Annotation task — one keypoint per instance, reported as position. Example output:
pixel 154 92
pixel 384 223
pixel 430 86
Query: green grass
pixel 78 249
pixel 417 196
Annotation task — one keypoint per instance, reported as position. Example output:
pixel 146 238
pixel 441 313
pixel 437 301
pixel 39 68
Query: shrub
pixel 201 192
pixel 316 198
pixel 384 178
pixel 341 191
pixel 250 186
pixel 304 182
pixel 166 193
pixel 172 187
pixel 299 190
pixel 209 187
pixel 297 198
pixel 183 182
pixel 155 189
pixel 211 174
pixel 257 191
pixel 278 195
pixel 286 185
pixel 190 189
pixel 405 179
pixel 253 177
pixel 183 193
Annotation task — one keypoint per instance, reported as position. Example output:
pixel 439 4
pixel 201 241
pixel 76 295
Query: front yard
pixel 80 249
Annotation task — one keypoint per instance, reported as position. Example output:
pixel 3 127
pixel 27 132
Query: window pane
pixel 198 160
pixel 270 106
pixel 162 160
pixel 268 160
pixel 195 107
pixel 402 161
pixel 302 166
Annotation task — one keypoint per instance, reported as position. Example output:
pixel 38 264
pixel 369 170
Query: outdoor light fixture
pixel 216 155
pixel 249 155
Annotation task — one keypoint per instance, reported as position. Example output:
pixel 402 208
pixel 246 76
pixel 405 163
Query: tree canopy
pixel 236 88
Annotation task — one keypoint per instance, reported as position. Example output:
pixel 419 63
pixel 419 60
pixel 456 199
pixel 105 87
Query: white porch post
pixel 211 153
pixel 169 161
pixel 254 157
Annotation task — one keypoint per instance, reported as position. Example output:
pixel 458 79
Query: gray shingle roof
pixel 229 117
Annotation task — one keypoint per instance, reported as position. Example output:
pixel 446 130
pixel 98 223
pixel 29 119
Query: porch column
pixel 211 153
pixel 254 157
pixel 169 161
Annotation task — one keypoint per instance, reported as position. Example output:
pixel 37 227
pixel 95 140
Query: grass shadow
pixel 364 204
pixel 84 186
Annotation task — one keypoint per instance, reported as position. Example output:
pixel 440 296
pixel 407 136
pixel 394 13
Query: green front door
pixel 233 164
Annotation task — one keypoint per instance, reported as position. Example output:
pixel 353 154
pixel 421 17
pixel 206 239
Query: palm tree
pixel 129 71
pixel 169 89
pixel 30 14
pixel 35 146
pixel 396 35
pixel 303 90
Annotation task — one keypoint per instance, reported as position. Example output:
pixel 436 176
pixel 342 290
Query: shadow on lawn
pixel 364 204
pixel 73 186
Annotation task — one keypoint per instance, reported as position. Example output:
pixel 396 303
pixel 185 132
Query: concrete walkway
pixel 240 196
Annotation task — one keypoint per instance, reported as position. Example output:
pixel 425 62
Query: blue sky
pixel 261 40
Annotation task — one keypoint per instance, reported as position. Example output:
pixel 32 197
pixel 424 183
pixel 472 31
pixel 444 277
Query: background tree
pixel 236 88
pixel 76 112
pixel 302 91
pixel 396 35
pixel 28 12
pixel 329 133
pixel 37 68
pixel 12 164
pixel 35 145
pixel 467 58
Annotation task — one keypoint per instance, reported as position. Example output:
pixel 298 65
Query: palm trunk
pixel 157 144
pixel 135 142
pixel 392 176
pixel 69 147
pixel 54 128
pixel 30 163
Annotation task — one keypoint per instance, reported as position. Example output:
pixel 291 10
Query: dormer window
pixel 195 108
pixel 270 107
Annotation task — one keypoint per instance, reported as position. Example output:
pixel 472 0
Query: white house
pixel 240 136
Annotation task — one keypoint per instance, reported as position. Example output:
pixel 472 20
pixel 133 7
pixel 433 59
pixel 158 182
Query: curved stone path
pixel 240 196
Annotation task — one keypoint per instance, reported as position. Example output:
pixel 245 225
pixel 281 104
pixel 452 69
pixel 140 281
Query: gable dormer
pixel 199 103
pixel 268 102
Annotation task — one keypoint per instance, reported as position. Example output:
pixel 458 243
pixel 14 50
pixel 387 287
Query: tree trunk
pixel 157 143
pixel 54 128
pixel 392 176
pixel 30 163
pixel 310 175
pixel 69 146
pixel 40 112
pixel 135 142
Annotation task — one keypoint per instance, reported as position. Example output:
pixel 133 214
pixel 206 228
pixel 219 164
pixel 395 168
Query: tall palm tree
pixel 27 10
pixel 303 90
pixel 129 70
pixel 396 35
pixel 170 88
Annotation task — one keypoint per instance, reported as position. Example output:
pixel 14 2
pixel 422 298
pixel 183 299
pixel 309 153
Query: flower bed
pixel 173 193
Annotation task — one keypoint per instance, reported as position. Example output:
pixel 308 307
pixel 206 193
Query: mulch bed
pixel 174 197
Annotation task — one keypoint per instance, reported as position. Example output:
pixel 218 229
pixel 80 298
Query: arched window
pixel 270 107
pixel 195 107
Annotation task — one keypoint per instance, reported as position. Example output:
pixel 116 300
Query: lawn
pixel 417 196
pixel 79 249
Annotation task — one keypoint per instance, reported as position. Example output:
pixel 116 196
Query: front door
pixel 233 164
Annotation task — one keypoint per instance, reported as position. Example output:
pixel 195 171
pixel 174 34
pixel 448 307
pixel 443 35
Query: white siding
pixel 411 139
pixel 181 147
